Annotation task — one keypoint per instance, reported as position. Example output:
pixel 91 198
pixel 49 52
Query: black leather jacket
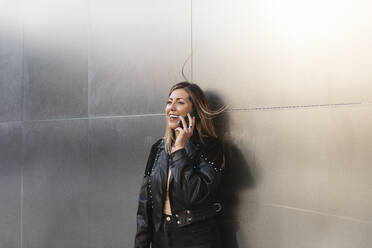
pixel 195 175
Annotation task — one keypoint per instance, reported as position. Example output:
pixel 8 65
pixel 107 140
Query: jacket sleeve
pixel 144 227
pixel 194 184
pixel 144 232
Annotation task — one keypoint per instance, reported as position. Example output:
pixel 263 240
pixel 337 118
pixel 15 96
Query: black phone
pixel 192 113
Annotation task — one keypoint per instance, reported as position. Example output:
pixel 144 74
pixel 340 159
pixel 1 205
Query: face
pixel 178 104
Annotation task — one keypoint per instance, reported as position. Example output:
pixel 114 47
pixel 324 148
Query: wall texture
pixel 83 85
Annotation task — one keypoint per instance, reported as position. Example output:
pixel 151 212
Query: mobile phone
pixel 192 113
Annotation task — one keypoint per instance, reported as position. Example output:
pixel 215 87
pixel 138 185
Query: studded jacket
pixel 195 175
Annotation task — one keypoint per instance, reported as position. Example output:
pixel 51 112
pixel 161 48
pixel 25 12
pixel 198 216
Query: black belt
pixel 188 216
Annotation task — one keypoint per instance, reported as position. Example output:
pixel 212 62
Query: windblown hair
pixel 204 124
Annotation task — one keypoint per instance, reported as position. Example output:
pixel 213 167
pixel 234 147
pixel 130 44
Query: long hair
pixel 203 123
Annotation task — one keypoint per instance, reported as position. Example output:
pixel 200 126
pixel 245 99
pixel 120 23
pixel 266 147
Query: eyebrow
pixel 176 98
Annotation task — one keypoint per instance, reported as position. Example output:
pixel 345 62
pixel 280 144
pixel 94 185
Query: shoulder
pixel 155 146
pixel 213 148
pixel 213 153
pixel 151 156
pixel 158 143
pixel 212 144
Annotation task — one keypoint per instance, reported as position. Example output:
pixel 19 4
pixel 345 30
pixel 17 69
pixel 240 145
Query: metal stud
pixel 178 222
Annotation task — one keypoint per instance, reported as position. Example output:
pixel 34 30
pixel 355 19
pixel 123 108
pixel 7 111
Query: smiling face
pixel 178 104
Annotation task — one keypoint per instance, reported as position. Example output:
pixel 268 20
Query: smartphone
pixel 192 113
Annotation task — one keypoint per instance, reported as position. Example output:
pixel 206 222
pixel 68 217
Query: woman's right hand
pixel 184 133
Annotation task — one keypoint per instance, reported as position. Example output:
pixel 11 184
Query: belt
pixel 188 216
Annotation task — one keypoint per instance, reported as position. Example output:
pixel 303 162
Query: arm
pixel 144 228
pixel 144 213
pixel 144 216
pixel 193 186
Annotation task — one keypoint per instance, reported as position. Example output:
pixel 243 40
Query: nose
pixel 172 106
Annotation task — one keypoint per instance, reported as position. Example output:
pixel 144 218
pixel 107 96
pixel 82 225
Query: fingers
pixel 191 121
pixel 186 132
pixel 186 128
pixel 191 126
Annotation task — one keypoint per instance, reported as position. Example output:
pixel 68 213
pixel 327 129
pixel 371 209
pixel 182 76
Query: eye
pixel 168 102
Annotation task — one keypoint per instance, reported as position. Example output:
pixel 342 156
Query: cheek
pixel 187 110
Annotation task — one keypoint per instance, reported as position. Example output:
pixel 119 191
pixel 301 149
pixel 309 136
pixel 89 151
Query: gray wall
pixel 83 85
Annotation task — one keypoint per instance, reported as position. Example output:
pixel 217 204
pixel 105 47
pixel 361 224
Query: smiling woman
pixel 176 206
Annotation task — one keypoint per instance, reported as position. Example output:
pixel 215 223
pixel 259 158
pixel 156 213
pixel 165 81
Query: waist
pixel 188 216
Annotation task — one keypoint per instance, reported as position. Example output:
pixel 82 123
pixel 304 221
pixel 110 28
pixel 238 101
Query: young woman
pixel 176 206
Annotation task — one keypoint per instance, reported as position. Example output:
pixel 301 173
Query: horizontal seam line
pixel 228 110
pixel 298 106
pixel 319 213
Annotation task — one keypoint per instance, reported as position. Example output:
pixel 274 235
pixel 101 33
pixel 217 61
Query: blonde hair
pixel 204 123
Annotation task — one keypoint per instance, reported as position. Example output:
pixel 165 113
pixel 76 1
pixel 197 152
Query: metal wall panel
pixel 10 184
pixel 307 178
pixel 11 90
pixel 55 184
pixel 137 49
pixel 275 53
pixel 311 157
pixel 300 174
pixel 55 59
pixel 286 227
pixel 319 159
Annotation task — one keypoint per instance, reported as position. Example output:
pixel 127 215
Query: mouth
pixel 173 117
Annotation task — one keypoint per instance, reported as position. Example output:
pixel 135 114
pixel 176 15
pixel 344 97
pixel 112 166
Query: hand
pixel 184 133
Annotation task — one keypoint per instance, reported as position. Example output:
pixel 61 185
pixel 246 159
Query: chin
pixel 173 126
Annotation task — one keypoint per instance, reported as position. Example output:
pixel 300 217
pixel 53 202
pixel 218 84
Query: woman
pixel 177 205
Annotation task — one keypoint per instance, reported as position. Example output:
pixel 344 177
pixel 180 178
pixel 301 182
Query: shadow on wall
pixel 237 177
